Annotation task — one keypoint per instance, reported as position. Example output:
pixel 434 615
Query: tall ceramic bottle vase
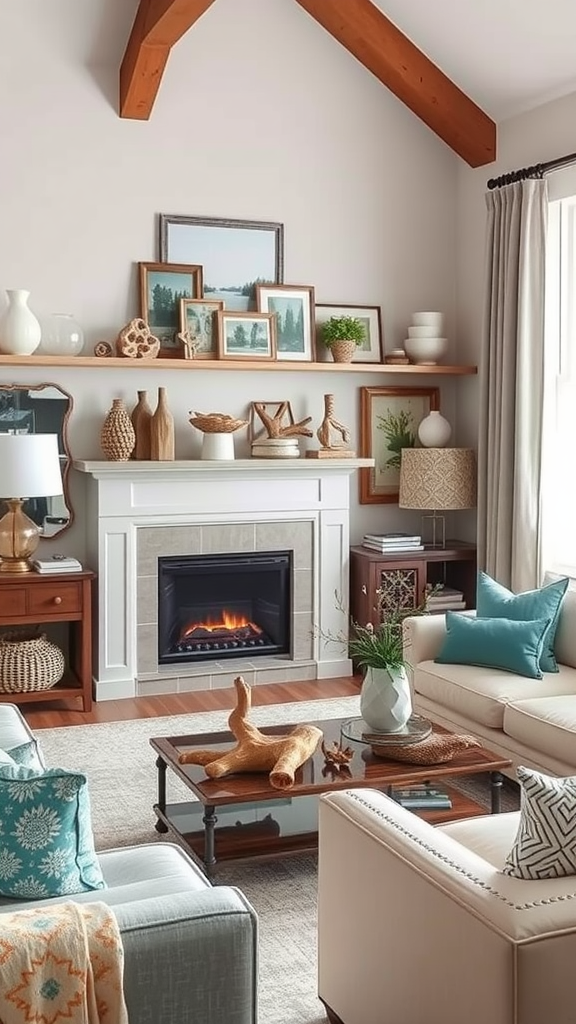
pixel 162 431
pixel 142 423
pixel 20 331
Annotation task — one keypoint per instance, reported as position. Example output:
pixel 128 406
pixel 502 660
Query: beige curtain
pixel 512 386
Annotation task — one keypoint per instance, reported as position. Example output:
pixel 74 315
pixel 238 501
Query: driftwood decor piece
pixel 136 341
pixel 332 447
pixel 281 756
pixel 272 416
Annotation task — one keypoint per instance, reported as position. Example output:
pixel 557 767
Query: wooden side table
pixel 403 577
pixel 27 599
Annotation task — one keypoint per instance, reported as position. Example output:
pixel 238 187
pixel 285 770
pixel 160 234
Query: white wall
pixel 260 115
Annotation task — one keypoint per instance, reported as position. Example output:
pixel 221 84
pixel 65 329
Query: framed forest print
pixel 389 419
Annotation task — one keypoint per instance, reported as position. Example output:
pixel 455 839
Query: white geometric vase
pixel 385 699
pixel 20 331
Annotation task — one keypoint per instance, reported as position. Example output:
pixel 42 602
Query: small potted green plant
pixel 342 335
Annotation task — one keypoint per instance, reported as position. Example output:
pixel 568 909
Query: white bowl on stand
pixel 429 319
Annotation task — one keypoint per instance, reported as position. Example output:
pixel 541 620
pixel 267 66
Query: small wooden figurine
pixel 331 447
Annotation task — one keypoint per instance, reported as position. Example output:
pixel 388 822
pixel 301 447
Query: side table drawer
pixel 12 601
pixel 57 598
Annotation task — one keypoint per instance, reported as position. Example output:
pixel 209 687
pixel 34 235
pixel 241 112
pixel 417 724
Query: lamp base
pixel 438 530
pixel 19 538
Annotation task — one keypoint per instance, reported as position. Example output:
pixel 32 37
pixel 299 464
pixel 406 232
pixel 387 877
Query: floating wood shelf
pixel 234 364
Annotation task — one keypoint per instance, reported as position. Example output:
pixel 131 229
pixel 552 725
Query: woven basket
pixel 29 661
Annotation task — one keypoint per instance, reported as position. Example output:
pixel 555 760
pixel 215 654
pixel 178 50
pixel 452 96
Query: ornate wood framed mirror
pixel 42 409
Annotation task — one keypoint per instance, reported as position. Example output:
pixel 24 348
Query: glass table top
pixel 416 729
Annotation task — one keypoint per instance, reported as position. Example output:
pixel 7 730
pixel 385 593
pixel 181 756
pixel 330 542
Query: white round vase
pixel 434 431
pixel 385 699
pixel 62 335
pixel 20 331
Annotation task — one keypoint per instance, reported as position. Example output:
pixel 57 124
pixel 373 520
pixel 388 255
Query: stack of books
pixel 447 598
pixel 57 563
pixel 424 797
pixel 392 543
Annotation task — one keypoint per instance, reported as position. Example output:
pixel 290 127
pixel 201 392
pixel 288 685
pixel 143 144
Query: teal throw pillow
pixel 496 643
pixel 28 755
pixel 46 841
pixel 495 601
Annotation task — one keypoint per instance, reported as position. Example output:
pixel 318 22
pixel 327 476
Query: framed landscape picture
pixel 389 419
pixel 162 286
pixel 371 349
pixel 236 254
pixel 293 307
pixel 246 335
pixel 199 322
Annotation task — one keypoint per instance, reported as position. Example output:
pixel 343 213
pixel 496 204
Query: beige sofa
pixel 429 930
pixel 531 721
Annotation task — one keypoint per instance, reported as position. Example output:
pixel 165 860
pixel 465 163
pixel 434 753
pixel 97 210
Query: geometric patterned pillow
pixel 46 841
pixel 545 844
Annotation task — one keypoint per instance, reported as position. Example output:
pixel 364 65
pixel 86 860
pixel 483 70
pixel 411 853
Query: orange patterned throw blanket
pixel 61 963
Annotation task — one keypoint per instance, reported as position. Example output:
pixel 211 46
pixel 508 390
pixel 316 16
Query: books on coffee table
pixel 421 797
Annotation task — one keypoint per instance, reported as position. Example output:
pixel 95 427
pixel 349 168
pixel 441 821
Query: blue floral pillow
pixel 28 754
pixel 46 841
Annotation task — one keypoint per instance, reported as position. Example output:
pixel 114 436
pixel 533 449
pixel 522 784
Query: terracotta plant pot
pixel 343 351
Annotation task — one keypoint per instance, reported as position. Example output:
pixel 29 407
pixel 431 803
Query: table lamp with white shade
pixel 29 468
pixel 437 480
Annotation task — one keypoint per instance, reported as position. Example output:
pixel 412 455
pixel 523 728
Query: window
pixel 559 443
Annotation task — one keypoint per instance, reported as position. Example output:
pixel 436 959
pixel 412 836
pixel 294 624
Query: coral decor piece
pixel 331 447
pixel 337 757
pixel 256 752
pixel 216 422
pixel 136 341
pixel 103 349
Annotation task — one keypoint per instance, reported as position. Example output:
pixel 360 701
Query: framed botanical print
pixel 246 335
pixel 293 307
pixel 389 418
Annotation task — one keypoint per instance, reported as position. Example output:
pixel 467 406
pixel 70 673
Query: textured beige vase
pixel 142 422
pixel 117 437
pixel 162 431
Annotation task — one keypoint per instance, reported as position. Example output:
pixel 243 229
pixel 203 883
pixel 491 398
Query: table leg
pixel 209 820
pixel 496 783
pixel 161 766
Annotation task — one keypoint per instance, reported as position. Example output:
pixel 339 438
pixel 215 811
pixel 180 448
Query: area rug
pixel 120 766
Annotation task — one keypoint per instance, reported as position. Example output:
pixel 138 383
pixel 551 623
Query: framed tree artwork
pixel 245 335
pixel 389 418
pixel 162 286
pixel 293 307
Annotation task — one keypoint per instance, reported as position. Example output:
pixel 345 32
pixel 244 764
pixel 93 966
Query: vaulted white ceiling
pixel 507 55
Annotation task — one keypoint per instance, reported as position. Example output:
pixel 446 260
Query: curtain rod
pixel 537 171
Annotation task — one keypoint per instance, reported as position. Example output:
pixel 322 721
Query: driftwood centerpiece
pixel 255 752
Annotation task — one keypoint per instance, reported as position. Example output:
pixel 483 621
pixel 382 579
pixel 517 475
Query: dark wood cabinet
pixel 403 577
pixel 27 599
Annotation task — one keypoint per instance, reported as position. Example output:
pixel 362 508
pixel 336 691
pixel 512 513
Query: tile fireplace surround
pixel 138 511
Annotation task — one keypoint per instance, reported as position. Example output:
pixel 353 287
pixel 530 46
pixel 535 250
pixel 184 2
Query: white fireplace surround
pixel 137 511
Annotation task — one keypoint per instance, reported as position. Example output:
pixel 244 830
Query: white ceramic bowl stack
pixel 424 345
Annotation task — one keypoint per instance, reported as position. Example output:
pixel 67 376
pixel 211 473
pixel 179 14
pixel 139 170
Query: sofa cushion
pixel 482 694
pixel 507 644
pixel 15 734
pixel 489 836
pixel 545 844
pixel 546 724
pixel 565 642
pixel 494 600
pixel 46 842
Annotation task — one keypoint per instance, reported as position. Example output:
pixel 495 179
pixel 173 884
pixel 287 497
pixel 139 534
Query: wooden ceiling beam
pixel 376 42
pixel 158 25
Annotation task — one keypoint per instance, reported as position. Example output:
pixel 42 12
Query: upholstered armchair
pixel 418 923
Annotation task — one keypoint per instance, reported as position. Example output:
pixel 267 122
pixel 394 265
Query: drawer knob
pixel 57 600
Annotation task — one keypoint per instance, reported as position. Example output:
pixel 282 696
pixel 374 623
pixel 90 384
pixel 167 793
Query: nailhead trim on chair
pixel 457 867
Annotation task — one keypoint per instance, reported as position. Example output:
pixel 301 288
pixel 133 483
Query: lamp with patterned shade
pixel 438 480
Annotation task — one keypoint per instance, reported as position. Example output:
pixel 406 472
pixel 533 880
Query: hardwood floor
pixel 44 716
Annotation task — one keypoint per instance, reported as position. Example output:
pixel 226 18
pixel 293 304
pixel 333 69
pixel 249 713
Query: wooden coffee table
pixel 244 816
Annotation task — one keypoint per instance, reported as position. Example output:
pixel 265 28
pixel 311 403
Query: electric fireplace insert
pixel 219 606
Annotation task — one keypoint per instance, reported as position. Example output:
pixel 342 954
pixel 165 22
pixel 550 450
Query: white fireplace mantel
pixel 268 495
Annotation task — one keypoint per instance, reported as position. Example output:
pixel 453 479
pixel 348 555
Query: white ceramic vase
pixel 385 699
pixel 434 431
pixel 20 331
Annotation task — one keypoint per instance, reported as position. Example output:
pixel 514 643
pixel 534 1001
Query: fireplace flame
pixel 228 622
